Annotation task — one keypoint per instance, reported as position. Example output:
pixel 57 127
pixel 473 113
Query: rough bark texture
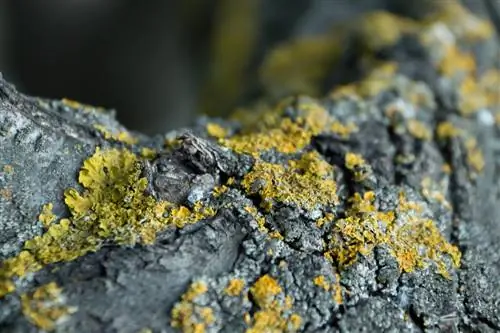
pixel 346 213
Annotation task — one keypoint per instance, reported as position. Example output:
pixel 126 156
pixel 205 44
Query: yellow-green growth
pixel 47 216
pixel 45 307
pixel 216 131
pixel 415 241
pixel 112 207
pixel 190 317
pixel 122 136
pixel 275 131
pixel 307 183
pixel 274 314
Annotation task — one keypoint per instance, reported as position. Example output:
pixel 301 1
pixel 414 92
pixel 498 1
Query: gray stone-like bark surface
pixel 126 289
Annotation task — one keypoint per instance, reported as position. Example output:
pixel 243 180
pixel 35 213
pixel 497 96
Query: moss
pixel 307 183
pixel 112 207
pixel 235 287
pixel 190 317
pixel 413 240
pixel 45 306
pixel 47 216
pixel 216 130
pixel 274 313
pixel 122 136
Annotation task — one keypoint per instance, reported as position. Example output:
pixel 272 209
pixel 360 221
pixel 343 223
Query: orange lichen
pixel 190 317
pixel 235 287
pixel 307 183
pixel 45 307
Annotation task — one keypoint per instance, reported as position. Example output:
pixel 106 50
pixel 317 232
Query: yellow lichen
pixel 307 183
pixel 274 314
pixel 321 282
pixel 338 290
pixel 77 105
pixel 413 240
pixel 382 29
pixel 301 65
pixel 148 153
pixel 8 169
pixel 446 130
pixel 216 130
pixel 47 216
pixel 189 316
pixel 474 155
pixel 122 136
pixel 235 287
pixel 358 166
pixel 461 21
pixel 343 130
pixel 112 207
pixel 274 131
pixel 419 130
pixel 234 36
pixel 45 307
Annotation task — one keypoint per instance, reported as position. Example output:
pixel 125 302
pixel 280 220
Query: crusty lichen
pixel 412 239
pixel 121 136
pixel 274 313
pixel 235 287
pixel 188 315
pixel 276 131
pixel 45 307
pixel 112 207
pixel 307 183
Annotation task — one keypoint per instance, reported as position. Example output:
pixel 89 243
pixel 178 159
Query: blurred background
pixel 159 63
